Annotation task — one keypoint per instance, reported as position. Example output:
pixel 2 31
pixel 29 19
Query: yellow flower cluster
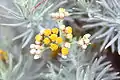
pixel 57 40
pixel 3 55
pixel 52 39
pixel 60 14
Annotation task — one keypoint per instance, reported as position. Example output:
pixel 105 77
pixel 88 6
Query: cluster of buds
pixel 36 49
pixel 66 31
pixel 60 14
pixel 53 39
pixel 3 55
pixel 85 41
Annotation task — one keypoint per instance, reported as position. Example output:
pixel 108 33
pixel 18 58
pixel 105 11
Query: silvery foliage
pixel 26 19
pixel 110 16
pixel 104 16
pixel 25 68
pixel 79 66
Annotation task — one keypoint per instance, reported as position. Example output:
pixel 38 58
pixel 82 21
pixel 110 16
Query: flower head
pixel 60 14
pixel 53 47
pixel 46 41
pixel 47 32
pixel 86 36
pixel 85 41
pixel 32 46
pixel 81 42
pixel 55 30
pixel 38 37
pixel 32 51
pixel 3 55
pixel 61 10
pixel 53 37
pixel 64 51
pixel 67 44
pixel 59 40
pixel 68 30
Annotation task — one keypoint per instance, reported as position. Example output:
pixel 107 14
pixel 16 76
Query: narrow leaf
pixel 28 39
pixel 22 35
pixel 112 41
pixel 106 33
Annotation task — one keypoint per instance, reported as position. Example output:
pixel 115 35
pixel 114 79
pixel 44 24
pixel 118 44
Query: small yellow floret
pixel 64 51
pixel 47 32
pixel 53 47
pixel 55 30
pixel 38 37
pixel 61 10
pixel 53 37
pixel 3 55
pixel 59 40
pixel 68 30
pixel 46 41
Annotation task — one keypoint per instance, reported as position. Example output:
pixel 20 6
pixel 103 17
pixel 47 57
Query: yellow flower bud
pixel 64 51
pixel 68 30
pixel 38 37
pixel 53 47
pixel 47 32
pixel 1 51
pixel 46 41
pixel 59 40
pixel 61 10
pixel 3 55
pixel 55 30
pixel 53 37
